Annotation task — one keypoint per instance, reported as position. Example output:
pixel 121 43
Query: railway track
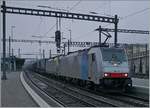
pixel 114 100
pixel 81 95
pixel 68 98
pixel 134 101
pixel 120 99
pixel 126 98
pixel 136 96
pixel 40 91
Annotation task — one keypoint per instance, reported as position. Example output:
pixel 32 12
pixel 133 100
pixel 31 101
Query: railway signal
pixel 58 40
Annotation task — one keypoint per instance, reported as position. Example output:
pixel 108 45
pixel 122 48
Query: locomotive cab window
pixel 114 55
pixel 93 57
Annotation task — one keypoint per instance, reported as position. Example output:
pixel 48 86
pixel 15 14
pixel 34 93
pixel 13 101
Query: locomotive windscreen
pixel 113 54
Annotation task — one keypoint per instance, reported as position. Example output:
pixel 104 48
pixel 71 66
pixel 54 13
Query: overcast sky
pixel 133 14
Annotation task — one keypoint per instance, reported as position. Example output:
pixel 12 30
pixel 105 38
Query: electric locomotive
pixel 115 69
pixel 100 66
pixel 97 66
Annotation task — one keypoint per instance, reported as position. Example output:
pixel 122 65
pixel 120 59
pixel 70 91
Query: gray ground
pixel 141 82
pixel 13 93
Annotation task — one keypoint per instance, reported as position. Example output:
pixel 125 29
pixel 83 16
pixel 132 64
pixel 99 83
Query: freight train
pixel 97 66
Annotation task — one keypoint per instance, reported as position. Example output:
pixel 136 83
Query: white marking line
pixel 144 87
pixel 34 95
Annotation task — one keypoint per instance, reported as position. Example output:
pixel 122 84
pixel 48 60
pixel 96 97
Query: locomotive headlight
pixel 125 74
pixel 105 74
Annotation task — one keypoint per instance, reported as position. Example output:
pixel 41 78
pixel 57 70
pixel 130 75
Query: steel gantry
pixel 59 14
pixel 123 30
pixel 71 44
pixel 106 31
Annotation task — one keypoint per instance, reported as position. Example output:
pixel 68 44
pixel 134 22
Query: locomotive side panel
pixel 76 67
pixel 62 66
pixel 43 65
pixel 95 65
pixel 84 66
pixel 70 66
pixel 51 67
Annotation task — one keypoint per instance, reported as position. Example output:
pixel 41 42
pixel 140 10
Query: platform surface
pixel 144 83
pixel 13 94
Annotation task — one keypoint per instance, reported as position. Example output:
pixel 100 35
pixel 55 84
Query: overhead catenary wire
pixel 121 18
pixel 110 9
pixel 94 13
pixel 75 5
pixel 135 13
pixel 56 24
pixel 130 15
pixel 52 27
pixel 39 25
pixel 60 19
pixel 85 34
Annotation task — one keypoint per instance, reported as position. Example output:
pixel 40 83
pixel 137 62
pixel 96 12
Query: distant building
pixel 138 56
pixel 13 63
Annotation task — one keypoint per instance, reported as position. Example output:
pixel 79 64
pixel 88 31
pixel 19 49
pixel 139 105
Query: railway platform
pixel 13 93
pixel 140 85
pixel 144 83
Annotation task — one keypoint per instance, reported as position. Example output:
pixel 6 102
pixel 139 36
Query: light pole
pixel 43 54
pixel 35 36
pixel 68 46
pixel 50 55
pixel 12 28
pixel 9 54
pixel 19 55
pixel 10 37
pixel 40 52
pixel 70 34
pixel 69 41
